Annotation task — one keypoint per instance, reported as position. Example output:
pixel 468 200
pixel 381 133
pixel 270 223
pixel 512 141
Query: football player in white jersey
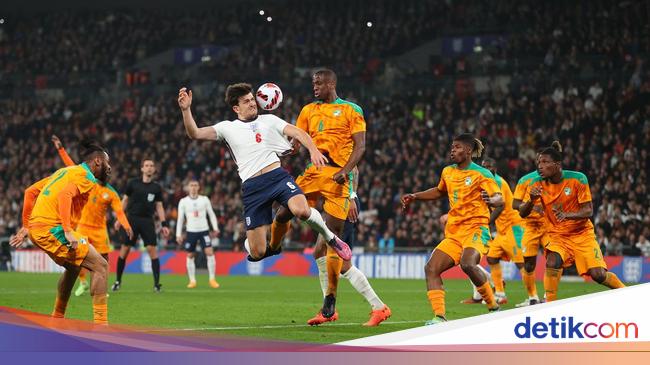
pixel 255 142
pixel 197 208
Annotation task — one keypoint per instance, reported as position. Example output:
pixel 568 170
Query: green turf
pixel 269 307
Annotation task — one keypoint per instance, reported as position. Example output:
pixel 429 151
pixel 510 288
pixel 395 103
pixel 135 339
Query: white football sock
pixel 360 283
pixel 191 268
pixel 321 262
pixel 316 222
pixel 212 264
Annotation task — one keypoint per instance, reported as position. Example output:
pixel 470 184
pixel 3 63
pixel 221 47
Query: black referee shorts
pixel 142 227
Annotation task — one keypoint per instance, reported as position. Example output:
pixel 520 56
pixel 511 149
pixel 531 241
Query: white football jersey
pixel 196 211
pixel 254 145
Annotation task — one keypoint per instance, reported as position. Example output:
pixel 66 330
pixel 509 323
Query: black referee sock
pixel 120 268
pixel 155 267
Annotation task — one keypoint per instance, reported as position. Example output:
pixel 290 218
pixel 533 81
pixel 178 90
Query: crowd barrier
pixel 385 266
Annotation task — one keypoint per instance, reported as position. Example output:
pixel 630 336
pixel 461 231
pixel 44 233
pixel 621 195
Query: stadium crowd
pixel 603 123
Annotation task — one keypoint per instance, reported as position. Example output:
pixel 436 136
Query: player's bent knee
pixel 553 261
pixel 492 260
pixel 302 212
pixel 257 252
pixel 529 265
pixel 598 275
pixel 467 268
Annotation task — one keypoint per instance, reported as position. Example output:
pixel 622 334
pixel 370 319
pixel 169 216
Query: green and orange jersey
pixel 567 196
pixel 508 217
pixel 331 126
pixel 463 187
pixel 536 217
pixel 100 198
pixel 61 198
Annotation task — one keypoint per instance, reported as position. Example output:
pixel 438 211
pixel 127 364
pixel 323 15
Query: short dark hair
pixel 90 148
pixel 147 159
pixel 327 73
pixel 475 143
pixel 489 161
pixel 555 151
pixel 236 91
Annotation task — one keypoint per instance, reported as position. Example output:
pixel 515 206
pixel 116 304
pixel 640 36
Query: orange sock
pixel 551 283
pixel 278 230
pixel 100 309
pixel 59 308
pixel 437 300
pixel 486 293
pixel 82 275
pixel 529 282
pixel 612 281
pixel 497 277
pixel 334 265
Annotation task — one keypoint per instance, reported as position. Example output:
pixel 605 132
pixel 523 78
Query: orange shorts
pixel 318 182
pixel 52 240
pixel 581 249
pixel 97 236
pixel 507 247
pixel 532 240
pixel 474 237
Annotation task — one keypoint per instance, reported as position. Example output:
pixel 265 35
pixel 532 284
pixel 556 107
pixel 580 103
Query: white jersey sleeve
pixel 181 218
pixel 211 215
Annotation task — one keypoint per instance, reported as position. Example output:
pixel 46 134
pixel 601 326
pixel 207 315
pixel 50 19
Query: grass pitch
pixel 263 306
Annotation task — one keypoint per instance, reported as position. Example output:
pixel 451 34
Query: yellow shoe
pixel 213 283
pixel 191 285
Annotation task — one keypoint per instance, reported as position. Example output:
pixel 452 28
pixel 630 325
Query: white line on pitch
pixel 270 327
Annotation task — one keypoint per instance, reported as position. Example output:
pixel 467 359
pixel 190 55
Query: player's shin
pixel 551 283
pixel 529 282
pixel 278 231
pixel 360 283
pixel 612 281
pixel 321 263
pixel 334 264
pixel 316 222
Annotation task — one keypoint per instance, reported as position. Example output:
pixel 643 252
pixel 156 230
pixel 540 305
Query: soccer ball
pixel 269 96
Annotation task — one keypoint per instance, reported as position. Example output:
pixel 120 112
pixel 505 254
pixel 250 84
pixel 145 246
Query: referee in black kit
pixel 141 197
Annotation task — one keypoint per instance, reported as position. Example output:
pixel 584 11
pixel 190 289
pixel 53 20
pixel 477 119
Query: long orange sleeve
pixel 65 157
pixel 116 204
pixel 65 205
pixel 31 193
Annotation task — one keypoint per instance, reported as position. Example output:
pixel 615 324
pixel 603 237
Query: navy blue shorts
pixel 193 238
pixel 259 193
pixel 350 229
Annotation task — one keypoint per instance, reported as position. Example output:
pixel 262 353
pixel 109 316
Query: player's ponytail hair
pixel 89 148
pixel 554 151
pixel 475 143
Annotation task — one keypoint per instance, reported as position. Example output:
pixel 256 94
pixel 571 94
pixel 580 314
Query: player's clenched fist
pixel 184 98
pixel 407 199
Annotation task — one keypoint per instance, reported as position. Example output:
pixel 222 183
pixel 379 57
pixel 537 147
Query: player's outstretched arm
pixel 317 157
pixel 193 131
pixel 62 152
pixel 430 194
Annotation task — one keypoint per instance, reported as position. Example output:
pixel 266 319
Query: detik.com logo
pixel 568 327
